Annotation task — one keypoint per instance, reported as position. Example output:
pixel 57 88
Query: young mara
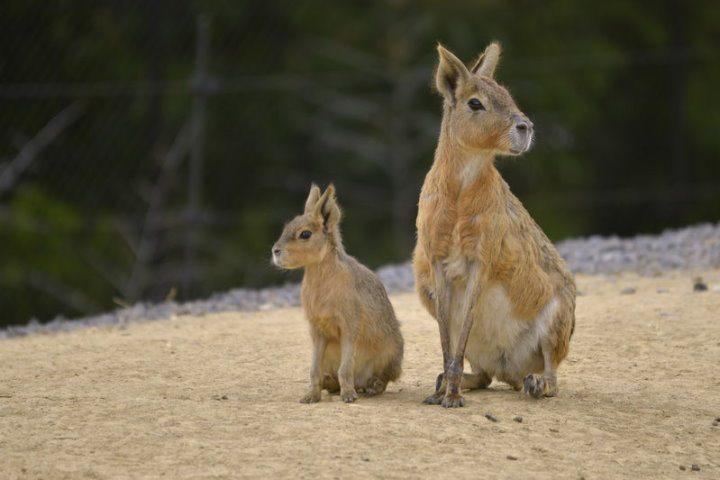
pixel 502 296
pixel 357 345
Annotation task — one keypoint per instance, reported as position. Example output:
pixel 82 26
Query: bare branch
pixel 147 244
pixel 46 135
pixel 112 275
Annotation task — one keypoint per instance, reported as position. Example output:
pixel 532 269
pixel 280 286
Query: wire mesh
pixel 141 157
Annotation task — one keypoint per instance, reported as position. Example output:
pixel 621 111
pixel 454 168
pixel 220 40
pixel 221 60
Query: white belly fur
pixel 502 345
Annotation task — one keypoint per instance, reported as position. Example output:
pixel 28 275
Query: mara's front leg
pixel 346 375
pixel 442 309
pixel 316 375
pixel 454 372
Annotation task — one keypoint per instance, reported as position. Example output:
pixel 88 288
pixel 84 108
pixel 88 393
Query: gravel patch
pixel 687 248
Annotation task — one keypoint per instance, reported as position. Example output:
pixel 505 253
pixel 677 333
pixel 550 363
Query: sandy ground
pixel 216 397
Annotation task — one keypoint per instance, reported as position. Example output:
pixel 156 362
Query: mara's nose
pixel 276 251
pixel 522 124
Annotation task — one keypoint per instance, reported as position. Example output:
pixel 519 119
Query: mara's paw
pixel 534 385
pixel 453 400
pixel 375 386
pixel 437 397
pixel 349 396
pixel 331 384
pixel 310 397
pixel 551 389
pixel 434 399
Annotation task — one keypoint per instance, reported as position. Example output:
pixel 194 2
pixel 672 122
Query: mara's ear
pixel 312 198
pixel 451 73
pixel 488 61
pixel 328 208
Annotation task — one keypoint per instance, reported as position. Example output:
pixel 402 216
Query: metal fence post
pixel 200 88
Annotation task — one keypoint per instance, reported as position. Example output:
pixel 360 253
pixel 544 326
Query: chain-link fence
pixel 152 148
pixel 149 153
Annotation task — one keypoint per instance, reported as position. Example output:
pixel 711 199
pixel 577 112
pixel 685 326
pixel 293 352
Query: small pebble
pixel 716 423
pixel 628 291
pixel 695 467
pixel 700 285
pixel 682 467
pixel 555 430
pixel 365 459
pixel 518 419
pixel 491 417
pixel 511 457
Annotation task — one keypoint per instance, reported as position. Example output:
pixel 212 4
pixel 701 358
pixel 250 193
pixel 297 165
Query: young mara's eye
pixel 475 104
pixel 305 234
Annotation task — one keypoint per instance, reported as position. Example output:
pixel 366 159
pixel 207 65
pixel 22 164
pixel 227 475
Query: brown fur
pixel 476 238
pixel 357 345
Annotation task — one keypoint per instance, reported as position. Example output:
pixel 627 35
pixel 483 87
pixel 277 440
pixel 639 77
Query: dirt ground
pixel 216 397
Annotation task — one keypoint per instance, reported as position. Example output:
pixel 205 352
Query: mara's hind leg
pixel 374 386
pixel 330 366
pixel 516 385
pixel 470 381
pixel 331 384
pixel 544 385
pixel 478 379
pixel 378 380
pixel 515 382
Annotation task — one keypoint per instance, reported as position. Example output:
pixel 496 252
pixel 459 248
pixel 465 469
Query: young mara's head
pixel 479 113
pixel 307 238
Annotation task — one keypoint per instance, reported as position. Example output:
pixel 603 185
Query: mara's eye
pixel 475 104
pixel 305 234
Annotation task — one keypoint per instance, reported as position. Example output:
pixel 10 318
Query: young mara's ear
pixel 451 73
pixel 488 60
pixel 312 198
pixel 328 208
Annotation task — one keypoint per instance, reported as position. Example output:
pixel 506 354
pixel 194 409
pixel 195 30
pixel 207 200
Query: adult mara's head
pixel 479 114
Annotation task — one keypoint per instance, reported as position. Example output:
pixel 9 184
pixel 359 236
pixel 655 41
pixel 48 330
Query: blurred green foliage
pixel 623 96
